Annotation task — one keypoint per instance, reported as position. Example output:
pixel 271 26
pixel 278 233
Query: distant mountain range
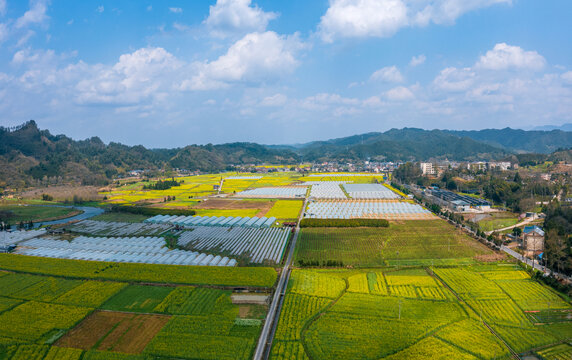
pixel 30 156
pixel 563 127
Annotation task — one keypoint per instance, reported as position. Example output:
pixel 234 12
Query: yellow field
pixel 285 209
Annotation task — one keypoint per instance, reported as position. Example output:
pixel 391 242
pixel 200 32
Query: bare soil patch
pixel 494 257
pixel 114 331
pixel 223 204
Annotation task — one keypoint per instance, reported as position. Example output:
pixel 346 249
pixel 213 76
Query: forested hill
pixel 402 145
pixel 521 141
pixel 30 156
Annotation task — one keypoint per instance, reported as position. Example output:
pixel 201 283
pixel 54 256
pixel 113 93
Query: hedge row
pixel 140 210
pixel 344 223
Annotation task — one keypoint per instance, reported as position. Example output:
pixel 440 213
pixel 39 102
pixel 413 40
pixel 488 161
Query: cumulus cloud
pixel 417 60
pixel 274 100
pixel 147 73
pixel 399 93
pixel 255 57
pixel 100 9
pixel 231 16
pixel 383 18
pixel 387 74
pixel 176 10
pixel 453 79
pixel 504 56
pixel 567 77
pixel 36 14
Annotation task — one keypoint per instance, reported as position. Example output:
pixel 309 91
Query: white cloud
pixel 100 9
pixel 231 16
pixel 387 74
pixel 399 93
pixel 567 77
pixel 181 27
pixel 504 56
pixel 274 100
pixel 383 18
pixel 2 7
pixel 361 18
pixel 3 32
pixel 255 57
pixel 147 73
pixel 175 10
pixel 453 79
pixel 417 60
pixel 36 14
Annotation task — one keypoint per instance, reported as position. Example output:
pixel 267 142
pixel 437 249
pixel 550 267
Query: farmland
pixel 403 314
pixel 45 317
pixel 259 276
pixel 407 243
pixel 16 213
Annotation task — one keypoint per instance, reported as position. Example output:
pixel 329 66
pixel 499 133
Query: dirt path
pixel 526 221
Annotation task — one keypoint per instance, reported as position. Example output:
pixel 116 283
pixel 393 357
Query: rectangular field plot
pixel 285 209
pixel 258 245
pixel 112 331
pixel 195 301
pixel 411 243
pixel 367 209
pixel 33 320
pixel 138 298
pixel 201 337
pixel 90 293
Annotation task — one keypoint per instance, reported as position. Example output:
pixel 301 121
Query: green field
pixel 407 243
pixel 15 213
pixel 191 275
pixel 137 298
pixel 201 323
pixel 410 314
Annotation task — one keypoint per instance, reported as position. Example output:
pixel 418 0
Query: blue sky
pixel 172 73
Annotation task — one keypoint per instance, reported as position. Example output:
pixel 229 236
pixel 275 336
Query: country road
pixel 265 341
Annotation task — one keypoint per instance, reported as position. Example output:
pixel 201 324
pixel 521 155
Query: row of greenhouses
pixel 218 221
pixel 147 250
pixel 14 237
pixel 326 189
pixel 109 228
pixel 258 245
pixel 369 191
pixel 274 192
pixel 357 209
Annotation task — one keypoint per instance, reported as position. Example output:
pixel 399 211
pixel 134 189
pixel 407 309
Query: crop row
pixel 297 309
pixel 242 276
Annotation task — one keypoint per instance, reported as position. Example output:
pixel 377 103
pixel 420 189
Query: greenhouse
pixel 369 191
pixel 259 243
pixel 326 189
pixel 148 250
pixel 365 209
pixel 274 192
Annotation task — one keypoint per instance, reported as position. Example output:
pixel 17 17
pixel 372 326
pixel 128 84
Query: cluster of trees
pixel 163 184
pixel 558 238
pixel 317 263
pixel 304 223
pixel 148 211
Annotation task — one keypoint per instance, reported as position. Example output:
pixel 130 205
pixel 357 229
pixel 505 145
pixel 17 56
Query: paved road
pixel 274 311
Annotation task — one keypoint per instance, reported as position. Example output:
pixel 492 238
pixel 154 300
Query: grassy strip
pixel 152 273
pixel 305 223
